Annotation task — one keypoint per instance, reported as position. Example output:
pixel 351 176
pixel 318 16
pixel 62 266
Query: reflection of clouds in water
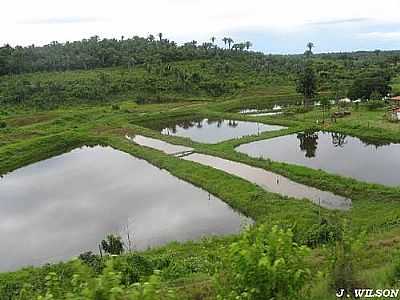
pixel 335 153
pixel 63 206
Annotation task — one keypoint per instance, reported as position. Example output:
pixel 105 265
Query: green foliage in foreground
pixel 108 285
pixel 264 264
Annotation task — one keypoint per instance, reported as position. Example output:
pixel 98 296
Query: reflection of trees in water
pixel 186 124
pixel 233 123
pixel 376 143
pixel 308 142
pixel 199 123
pixel 338 139
pixel 210 121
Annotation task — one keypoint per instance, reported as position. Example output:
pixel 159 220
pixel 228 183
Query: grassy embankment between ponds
pixel 243 196
pixel 375 207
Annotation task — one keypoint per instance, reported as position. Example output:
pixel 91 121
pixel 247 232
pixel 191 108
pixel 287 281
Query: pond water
pixel 261 114
pixel 271 109
pixel 335 153
pixel 215 131
pixel 268 180
pixel 58 208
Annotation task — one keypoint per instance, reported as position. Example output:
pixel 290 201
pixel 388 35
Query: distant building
pixel 396 114
pixel 345 100
pixel 396 100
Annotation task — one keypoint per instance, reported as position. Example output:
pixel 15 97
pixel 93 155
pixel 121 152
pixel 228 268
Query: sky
pixel 273 26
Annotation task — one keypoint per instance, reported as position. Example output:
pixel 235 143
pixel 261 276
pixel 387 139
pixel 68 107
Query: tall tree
pixel 113 245
pixel 310 46
pixel 248 45
pixel 307 83
pixel 230 42
pixel 160 35
pixel 225 40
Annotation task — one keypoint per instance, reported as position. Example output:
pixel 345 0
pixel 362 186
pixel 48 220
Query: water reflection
pixel 366 160
pixel 308 143
pixel 270 181
pixel 212 130
pixel 63 206
pixel 338 139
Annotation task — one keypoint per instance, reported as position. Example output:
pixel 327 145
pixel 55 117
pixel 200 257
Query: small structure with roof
pixel 395 100
pixel 395 116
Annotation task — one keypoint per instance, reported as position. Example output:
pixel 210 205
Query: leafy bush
pixel 264 264
pixel 93 261
pixel 133 267
pixel 323 233
pixel 108 285
pixel 3 124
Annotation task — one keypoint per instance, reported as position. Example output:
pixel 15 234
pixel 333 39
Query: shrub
pixel 323 233
pixel 108 285
pixel 92 260
pixel 264 264
pixel 133 268
pixel 3 124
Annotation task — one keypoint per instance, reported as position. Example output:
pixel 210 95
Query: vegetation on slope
pixel 124 85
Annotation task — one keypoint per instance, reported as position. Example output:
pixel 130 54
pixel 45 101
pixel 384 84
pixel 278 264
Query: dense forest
pixel 155 69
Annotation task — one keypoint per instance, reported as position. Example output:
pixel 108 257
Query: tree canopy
pixel 370 86
pixel 307 83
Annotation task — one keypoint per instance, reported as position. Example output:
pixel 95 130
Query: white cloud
pixel 394 35
pixel 41 21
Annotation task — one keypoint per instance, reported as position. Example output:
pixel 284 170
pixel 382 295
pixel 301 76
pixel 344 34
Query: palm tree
pixel 310 45
pixel 248 45
pixel 160 35
pixel 225 40
pixel 230 42
pixel 213 39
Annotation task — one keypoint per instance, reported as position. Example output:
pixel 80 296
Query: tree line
pixel 101 53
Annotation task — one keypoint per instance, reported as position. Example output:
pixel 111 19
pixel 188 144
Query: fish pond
pixel 267 180
pixel 273 110
pixel 214 131
pixel 335 153
pixel 60 207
